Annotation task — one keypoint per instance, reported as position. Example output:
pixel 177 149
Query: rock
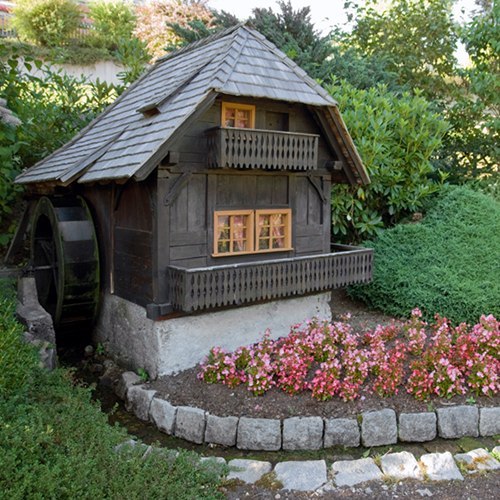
pixel 162 414
pixel 88 351
pixel 417 427
pixel 440 467
pixel 458 421
pixel 477 460
pixel 126 380
pixel 217 460
pixel 259 434
pixel 31 314
pixel 130 444
pixel 352 472
pixel 303 433
pixel 139 400
pixel 216 465
pixel 221 430
pixel 489 421
pixel 341 432
pixel 96 368
pixel 425 493
pixel 379 428
pixel 48 356
pixel 108 364
pixel 496 450
pixel 301 476
pixel 401 465
pixel 190 424
pixel 248 471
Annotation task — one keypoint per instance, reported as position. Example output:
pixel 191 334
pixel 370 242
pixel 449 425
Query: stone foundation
pixel 172 345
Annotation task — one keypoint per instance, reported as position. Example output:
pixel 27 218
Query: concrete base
pixel 173 345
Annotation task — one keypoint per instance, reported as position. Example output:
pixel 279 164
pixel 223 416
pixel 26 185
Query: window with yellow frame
pixel 238 115
pixel 239 232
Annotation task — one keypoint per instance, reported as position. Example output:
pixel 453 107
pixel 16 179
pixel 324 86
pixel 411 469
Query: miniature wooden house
pixel 204 187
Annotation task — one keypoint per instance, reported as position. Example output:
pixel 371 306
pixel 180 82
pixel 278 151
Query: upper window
pixel 238 115
pixel 252 231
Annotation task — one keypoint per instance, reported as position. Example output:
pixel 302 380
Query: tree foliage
pixel 154 21
pixel 417 38
pixel 396 135
pixel 113 21
pixel 52 108
pixel 46 22
pixel 294 33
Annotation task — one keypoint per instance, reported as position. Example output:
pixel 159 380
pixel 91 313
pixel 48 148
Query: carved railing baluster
pixel 266 149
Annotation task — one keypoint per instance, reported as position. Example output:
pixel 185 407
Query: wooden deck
pixel 266 149
pixel 210 287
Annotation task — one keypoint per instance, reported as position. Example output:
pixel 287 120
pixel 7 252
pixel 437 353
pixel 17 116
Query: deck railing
pixel 236 284
pixel 266 149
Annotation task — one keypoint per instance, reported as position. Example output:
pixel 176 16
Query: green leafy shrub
pixel 396 136
pixel 9 168
pixel 447 264
pixel 56 443
pixel 46 22
pixel 112 22
pixel 18 360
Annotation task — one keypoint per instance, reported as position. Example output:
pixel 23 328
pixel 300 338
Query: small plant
pixel 143 374
pixel 100 350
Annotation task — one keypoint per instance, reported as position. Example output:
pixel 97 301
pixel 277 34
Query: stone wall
pixel 176 344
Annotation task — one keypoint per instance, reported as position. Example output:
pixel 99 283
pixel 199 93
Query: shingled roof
pixel 126 141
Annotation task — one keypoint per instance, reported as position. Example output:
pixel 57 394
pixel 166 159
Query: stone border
pixel 316 476
pixel 373 428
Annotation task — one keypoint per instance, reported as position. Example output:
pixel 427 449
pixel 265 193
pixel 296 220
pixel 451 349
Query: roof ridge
pixel 199 43
pixel 291 64
pixel 222 58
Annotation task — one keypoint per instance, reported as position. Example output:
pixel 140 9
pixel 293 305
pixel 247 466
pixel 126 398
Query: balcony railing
pixel 266 149
pixel 237 284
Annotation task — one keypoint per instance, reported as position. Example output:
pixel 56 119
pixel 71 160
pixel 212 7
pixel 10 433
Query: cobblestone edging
pixel 374 428
pixel 319 477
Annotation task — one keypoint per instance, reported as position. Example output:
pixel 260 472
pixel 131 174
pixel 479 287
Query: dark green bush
pixel 18 361
pixel 396 136
pixel 447 264
pixel 46 22
pixel 56 443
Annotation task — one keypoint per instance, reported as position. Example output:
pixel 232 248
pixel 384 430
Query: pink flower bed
pixel 331 360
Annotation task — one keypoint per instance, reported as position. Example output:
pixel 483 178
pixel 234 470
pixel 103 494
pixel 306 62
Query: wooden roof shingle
pixel 125 141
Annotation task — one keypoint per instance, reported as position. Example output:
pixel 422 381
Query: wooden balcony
pixel 210 287
pixel 265 149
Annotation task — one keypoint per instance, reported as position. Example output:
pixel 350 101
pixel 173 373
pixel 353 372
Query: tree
pixel 155 20
pixel 418 38
pixel 293 32
pixel 46 22
pixel 472 147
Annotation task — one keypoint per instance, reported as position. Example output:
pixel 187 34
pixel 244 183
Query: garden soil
pixel 184 389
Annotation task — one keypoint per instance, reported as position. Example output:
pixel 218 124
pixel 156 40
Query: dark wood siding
pixel 132 242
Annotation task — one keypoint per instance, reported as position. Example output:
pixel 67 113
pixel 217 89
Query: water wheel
pixel 65 261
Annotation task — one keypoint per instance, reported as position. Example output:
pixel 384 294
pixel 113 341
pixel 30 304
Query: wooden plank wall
pixel 191 212
pixel 133 237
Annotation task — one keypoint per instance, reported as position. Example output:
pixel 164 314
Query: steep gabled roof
pixel 132 135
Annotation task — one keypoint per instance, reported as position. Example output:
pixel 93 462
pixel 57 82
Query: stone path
pixel 316 476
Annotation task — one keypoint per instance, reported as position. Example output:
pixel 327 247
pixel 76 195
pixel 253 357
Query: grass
pixel 56 443
pixel 447 264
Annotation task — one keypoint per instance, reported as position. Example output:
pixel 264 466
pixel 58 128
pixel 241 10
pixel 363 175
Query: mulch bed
pixel 184 389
